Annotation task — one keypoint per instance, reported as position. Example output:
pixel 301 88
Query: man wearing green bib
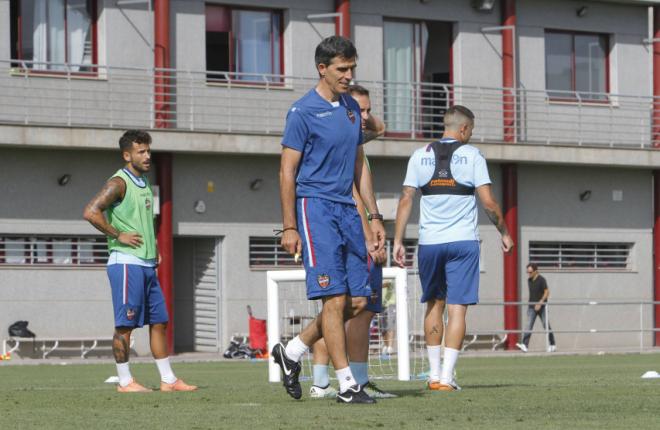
pixel 137 298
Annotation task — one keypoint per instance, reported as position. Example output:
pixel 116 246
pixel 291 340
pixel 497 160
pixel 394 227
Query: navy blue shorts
pixel 334 253
pixel 375 302
pixel 450 271
pixel 137 298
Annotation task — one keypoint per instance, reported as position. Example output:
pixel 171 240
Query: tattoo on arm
pixel 120 348
pixel 369 135
pixel 111 192
pixel 497 220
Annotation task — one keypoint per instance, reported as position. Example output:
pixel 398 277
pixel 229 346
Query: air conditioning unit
pixel 387 204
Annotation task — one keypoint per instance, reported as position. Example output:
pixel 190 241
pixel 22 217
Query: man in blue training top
pixel 321 158
pixel 449 173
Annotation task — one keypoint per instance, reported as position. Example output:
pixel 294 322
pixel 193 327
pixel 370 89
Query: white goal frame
pixel 398 275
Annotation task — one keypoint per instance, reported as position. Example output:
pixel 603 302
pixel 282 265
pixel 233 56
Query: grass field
pixel 568 392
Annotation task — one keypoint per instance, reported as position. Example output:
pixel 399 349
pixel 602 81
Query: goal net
pixel 289 312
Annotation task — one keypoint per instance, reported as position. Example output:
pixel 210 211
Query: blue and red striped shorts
pixel 334 252
pixel 137 298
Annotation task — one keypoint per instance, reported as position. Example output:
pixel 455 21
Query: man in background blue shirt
pixel 448 172
pixel 322 157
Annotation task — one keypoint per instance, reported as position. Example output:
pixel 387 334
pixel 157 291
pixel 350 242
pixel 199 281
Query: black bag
pixel 19 329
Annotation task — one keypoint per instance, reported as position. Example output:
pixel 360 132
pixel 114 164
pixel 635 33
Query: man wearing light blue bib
pixel 449 173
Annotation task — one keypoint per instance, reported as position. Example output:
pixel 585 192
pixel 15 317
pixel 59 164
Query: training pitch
pixel 568 392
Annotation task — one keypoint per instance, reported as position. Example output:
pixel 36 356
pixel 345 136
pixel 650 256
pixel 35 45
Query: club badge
pixel 351 115
pixel 130 314
pixel 147 203
pixel 323 280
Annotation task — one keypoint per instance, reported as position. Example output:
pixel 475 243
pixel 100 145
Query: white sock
pixel 435 360
pixel 166 374
pixel 295 349
pixel 451 355
pixel 124 374
pixel 345 377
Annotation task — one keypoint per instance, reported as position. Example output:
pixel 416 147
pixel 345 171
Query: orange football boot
pixel 439 386
pixel 133 387
pixel 178 385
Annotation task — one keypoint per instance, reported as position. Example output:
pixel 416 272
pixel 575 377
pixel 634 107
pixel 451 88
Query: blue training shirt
pixel 448 218
pixel 328 135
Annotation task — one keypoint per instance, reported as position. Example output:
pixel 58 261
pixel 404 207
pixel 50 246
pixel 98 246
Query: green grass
pixel 566 392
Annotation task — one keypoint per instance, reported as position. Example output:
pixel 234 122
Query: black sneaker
pixel 373 391
pixel 290 371
pixel 355 394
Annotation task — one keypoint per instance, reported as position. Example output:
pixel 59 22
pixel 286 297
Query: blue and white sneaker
pixel 327 392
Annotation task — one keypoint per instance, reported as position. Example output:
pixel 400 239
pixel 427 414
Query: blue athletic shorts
pixel 375 302
pixel 334 253
pixel 450 271
pixel 136 295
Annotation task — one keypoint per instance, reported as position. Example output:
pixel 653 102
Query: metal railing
pixel 587 317
pixel 123 97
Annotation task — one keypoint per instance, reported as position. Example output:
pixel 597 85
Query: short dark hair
pixel 358 89
pixel 130 136
pixel 461 110
pixel 334 46
pixel 534 266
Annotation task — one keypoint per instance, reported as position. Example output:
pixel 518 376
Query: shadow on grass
pixel 487 386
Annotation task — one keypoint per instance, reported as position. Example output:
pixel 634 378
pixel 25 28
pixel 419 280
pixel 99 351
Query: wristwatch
pixel 375 216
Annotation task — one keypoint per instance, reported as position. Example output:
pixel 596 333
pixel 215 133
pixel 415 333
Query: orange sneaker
pixel 178 385
pixel 133 387
pixel 439 386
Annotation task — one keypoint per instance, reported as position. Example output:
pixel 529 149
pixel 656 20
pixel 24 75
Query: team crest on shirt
pixel 323 280
pixel 147 203
pixel 130 314
pixel 351 115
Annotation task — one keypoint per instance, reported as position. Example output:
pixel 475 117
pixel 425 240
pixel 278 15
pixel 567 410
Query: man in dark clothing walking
pixel 538 296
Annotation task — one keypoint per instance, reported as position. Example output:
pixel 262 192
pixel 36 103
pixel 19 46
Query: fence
pixel 209 101
pixel 623 325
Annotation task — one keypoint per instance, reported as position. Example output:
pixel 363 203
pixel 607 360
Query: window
pixel 417 71
pixel 48 33
pixel 246 43
pixel 576 65
pixel 266 253
pixel 53 251
pixel 581 255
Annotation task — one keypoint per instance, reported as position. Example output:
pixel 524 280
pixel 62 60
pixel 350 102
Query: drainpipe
pixel 656 255
pixel 510 173
pixel 655 132
pixel 163 161
pixel 343 24
pixel 656 174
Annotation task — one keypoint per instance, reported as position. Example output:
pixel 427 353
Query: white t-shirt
pixel 448 218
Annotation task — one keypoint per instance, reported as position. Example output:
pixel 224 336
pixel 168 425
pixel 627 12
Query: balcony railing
pixel 124 97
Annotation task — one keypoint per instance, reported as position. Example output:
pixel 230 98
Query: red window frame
pixel 232 59
pixel 574 33
pixel 17 39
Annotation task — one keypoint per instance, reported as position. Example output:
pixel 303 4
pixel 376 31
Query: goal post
pixel 398 275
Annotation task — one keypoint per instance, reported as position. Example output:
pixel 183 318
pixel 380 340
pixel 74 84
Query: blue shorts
pixel 334 253
pixel 136 295
pixel 375 302
pixel 450 271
